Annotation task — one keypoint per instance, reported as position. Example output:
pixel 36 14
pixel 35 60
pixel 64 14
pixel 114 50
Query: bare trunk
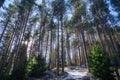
pixel 58 51
pixel 62 54
pixel 6 25
pixel 84 46
pixel 50 49
pixel 68 49
pixel 47 45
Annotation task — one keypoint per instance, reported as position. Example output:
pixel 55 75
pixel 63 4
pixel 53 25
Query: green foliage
pixel 18 74
pixel 2 76
pixel 30 66
pixel 119 71
pixel 99 64
pixel 36 67
pixel 58 7
pixel 26 4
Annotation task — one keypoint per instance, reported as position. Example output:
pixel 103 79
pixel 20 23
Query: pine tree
pixel 39 67
pixel 100 65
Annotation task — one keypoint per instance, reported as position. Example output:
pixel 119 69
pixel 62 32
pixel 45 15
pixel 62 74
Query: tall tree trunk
pixel 80 58
pixel 62 47
pixel 47 45
pixel 101 41
pixel 20 38
pixel 5 27
pixel 58 50
pixel 68 48
pixel 84 46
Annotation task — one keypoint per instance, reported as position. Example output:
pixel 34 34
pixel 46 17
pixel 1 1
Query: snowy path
pixel 75 73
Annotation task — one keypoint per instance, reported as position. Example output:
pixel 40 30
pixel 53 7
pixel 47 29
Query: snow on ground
pixel 76 73
pixel 73 73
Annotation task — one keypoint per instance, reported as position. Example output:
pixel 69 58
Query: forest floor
pixel 72 73
pixel 76 73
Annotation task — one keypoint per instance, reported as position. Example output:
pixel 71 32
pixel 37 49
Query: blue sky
pixel 7 2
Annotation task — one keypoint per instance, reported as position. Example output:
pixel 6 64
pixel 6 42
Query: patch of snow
pixel 75 73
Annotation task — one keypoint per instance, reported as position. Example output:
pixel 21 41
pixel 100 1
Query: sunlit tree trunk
pixel 68 48
pixel 47 45
pixel 51 47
